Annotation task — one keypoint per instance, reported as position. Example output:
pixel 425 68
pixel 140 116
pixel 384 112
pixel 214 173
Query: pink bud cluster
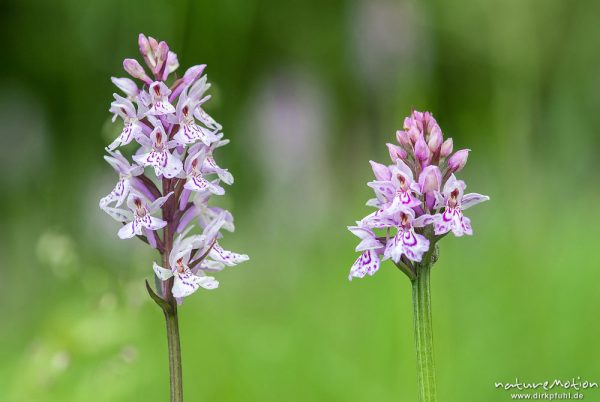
pixel 422 144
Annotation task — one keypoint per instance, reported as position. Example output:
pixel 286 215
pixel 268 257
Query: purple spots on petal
pixel 366 258
pixel 200 183
pixel 190 132
pixel 447 216
pixel 409 238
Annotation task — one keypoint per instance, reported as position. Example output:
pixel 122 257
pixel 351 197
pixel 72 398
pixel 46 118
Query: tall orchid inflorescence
pixel 418 199
pixel 173 174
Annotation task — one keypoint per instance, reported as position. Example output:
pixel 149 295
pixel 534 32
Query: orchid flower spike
pixel 165 183
pixel 417 199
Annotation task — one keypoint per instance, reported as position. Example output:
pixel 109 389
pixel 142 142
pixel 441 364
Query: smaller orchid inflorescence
pixel 418 199
pixel 176 140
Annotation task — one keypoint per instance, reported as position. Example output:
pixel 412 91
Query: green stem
pixel 169 309
pixel 424 332
pixel 174 353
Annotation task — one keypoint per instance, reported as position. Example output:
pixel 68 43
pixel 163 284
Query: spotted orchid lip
pixel 409 238
pixel 448 214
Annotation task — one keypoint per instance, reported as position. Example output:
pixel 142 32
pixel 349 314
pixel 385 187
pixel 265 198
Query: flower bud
pixel 381 171
pixel 173 63
pixel 396 152
pixel 161 57
pixel 446 148
pixel 422 152
pixel 458 161
pixel 143 44
pixel 136 70
pixel 147 51
pixel 418 119
pixel 189 77
pixel 428 121
pixel 435 139
pixel 153 44
pixel 414 134
pixel 403 138
pixel 430 181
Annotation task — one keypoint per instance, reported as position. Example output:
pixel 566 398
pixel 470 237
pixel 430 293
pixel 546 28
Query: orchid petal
pixel 130 131
pixel 211 231
pixel 162 273
pixel 173 167
pixel 120 215
pixel 380 171
pixel 408 243
pixel 440 200
pixel 207 282
pixel 127 231
pixel 378 221
pixel 367 263
pixel 368 239
pixel 453 183
pixel 229 258
pixel 211 266
pixel 208 121
pixel 159 202
pixel 126 85
pixel 471 199
pixel 466 225
pixel 385 188
pixel 424 220
pixel 403 168
pixel 153 223
pixel 184 284
pixel 198 183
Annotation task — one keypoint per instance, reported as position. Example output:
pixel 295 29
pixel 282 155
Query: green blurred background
pixel 308 92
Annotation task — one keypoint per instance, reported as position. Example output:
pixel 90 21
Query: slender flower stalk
pixel 167 185
pixel 418 200
pixel 423 332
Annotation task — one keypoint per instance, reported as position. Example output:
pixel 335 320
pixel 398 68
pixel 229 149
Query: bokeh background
pixel 308 92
